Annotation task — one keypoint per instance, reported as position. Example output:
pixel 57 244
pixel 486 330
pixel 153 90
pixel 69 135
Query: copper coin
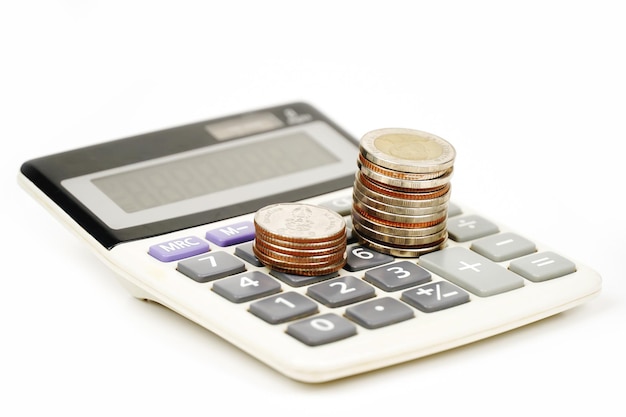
pixel 401 193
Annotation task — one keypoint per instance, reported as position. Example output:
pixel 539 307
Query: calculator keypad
pixel 381 290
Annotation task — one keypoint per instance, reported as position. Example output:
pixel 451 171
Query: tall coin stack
pixel 401 191
pixel 300 239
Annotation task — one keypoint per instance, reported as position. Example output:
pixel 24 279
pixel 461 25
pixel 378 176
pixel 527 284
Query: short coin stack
pixel 401 191
pixel 300 239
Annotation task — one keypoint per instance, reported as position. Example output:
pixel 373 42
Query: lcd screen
pixel 204 174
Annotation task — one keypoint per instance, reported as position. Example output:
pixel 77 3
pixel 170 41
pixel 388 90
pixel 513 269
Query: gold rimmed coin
pixel 407 176
pixel 407 150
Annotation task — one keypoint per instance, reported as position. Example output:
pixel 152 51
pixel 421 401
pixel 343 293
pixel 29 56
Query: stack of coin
pixel 300 239
pixel 401 191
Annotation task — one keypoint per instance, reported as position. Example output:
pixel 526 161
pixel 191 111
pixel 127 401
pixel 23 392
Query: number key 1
pixel 283 307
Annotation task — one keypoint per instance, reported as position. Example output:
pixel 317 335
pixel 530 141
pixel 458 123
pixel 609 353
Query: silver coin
pixel 400 252
pixel 407 150
pixel 401 241
pixel 394 209
pixel 299 222
pixel 398 220
pixel 398 201
pixel 407 184
pixel 396 231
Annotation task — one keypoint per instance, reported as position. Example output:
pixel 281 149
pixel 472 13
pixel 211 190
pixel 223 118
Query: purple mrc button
pixel 176 249
pixel 232 234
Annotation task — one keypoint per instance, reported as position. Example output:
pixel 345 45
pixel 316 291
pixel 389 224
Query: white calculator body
pixel 171 213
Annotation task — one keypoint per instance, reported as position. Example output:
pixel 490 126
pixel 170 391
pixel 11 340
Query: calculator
pixel 172 214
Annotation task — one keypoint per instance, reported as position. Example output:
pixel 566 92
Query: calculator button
pixel 379 312
pixel 471 271
pixel 341 291
pixel 283 307
pixel 211 266
pixel 245 287
pixel 435 296
pixel 177 249
pixel 231 234
pixel 246 253
pixel 453 209
pixel 542 266
pixel 322 329
pixel 301 280
pixel 504 246
pixel 360 257
pixel 341 205
pixel 397 276
pixel 464 228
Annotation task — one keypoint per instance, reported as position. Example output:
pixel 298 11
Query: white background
pixel 531 94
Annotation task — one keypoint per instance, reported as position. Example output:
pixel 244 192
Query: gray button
pixel 245 287
pixel 322 329
pixel 542 266
pixel 435 296
pixel 397 276
pixel 210 266
pixel 283 307
pixel 341 205
pixel 300 280
pixel 464 228
pixel 341 291
pixel 471 271
pixel 360 257
pixel 504 246
pixel 379 312
pixel 245 252
pixel 453 209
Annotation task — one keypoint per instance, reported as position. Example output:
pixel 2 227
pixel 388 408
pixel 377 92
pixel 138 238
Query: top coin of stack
pixel 401 191
pixel 301 239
